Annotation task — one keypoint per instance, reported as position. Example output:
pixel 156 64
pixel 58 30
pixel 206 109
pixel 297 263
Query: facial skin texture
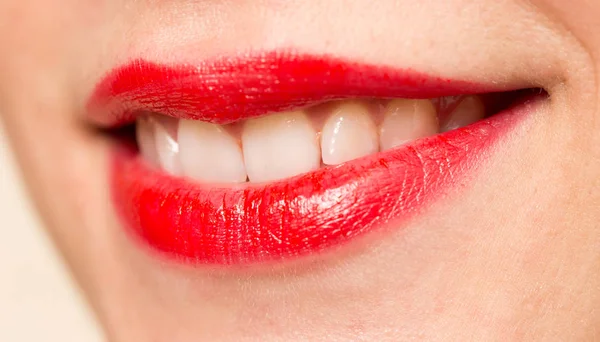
pixel 514 256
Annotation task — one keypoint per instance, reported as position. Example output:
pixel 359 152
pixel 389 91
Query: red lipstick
pixel 306 214
pixel 230 89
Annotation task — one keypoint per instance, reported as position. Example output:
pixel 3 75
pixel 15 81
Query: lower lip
pixel 307 214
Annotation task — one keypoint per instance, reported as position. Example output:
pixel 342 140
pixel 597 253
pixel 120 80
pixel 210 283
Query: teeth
pixel 145 138
pixel 468 111
pixel 348 134
pixel 209 153
pixel 279 146
pixel 407 120
pixel 283 145
pixel 166 144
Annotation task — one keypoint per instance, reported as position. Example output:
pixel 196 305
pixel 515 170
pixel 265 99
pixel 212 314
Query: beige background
pixel 38 301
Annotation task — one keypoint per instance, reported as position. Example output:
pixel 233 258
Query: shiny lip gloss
pixel 310 213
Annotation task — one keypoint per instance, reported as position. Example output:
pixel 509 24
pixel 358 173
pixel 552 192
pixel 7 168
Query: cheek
pixel 581 17
pixel 48 43
pixel 39 109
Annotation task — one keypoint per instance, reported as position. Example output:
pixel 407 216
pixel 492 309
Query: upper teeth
pixel 167 146
pixel 209 153
pixel 405 120
pixel 349 133
pixel 278 146
pixel 467 111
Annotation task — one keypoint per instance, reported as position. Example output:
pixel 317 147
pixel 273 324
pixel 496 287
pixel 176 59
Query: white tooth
pixel 405 121
pixel 209 153
pixel 279 146
pixel 144 131
pixel 468 111
pixel 349 133
pixel 166 144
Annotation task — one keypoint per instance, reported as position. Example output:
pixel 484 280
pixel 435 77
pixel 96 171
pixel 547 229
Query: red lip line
pixel 228 89
pixel 307 214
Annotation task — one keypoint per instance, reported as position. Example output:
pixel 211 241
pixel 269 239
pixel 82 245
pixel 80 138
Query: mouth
pixel 270 157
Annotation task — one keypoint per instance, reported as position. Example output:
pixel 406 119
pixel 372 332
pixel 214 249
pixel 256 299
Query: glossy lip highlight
pixel 309 213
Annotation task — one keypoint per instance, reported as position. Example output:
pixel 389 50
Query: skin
pixel 513 256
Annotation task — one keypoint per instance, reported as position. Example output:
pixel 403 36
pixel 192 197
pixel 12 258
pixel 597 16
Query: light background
pixel 38 301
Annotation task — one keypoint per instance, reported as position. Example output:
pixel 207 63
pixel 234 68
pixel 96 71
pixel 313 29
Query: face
pixel 308 170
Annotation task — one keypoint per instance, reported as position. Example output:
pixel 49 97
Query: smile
pixel 269 157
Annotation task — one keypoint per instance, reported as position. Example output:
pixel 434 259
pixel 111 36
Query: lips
pixel 306 214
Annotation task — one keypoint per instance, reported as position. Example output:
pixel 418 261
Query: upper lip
pixel 229 89
pixel 307 213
